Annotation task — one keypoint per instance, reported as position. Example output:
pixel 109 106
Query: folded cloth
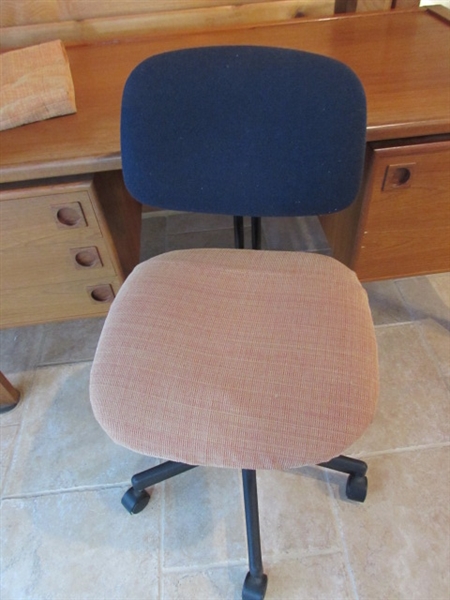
pixel 36 84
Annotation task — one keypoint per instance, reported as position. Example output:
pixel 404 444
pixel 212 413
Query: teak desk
pixel 71 232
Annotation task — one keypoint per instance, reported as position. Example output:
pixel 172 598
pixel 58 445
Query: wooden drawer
pixel 55 302
pixel 406 230
pixel 400 223
pixel 59 257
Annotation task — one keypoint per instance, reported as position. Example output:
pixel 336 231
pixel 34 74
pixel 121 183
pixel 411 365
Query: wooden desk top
pixel 402 58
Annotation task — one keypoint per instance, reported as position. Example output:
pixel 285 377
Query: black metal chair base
pixel 255 584
pixel 254 587
pixel 357 485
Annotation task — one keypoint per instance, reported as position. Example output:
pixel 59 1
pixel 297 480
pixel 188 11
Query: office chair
pixel 240 358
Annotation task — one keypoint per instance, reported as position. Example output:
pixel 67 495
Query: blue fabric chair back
pixel 243 130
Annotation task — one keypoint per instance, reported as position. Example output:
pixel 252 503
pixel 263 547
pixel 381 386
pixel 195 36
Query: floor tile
pixel 184 222
pixel 60 445
pixel 7 439
pixel 441 285
pixel 386 303
pixel 20 348
pixel 153 236
pixel 296 513
pixel 308 578
pixel 70 341
pixel 427 297
pixel 220 238
pixel 79 545
pixel 322 577
pixel 410 414
pixel 294 233
pixel 402 355
pixel 220 583
pixel 203 518
pixel 437 339
pixel 398 540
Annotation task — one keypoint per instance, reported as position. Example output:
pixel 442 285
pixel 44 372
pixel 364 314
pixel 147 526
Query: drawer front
pixel 406 230
pixel 55 302
pixel 42 263
pixel 52 218
pixel 57 257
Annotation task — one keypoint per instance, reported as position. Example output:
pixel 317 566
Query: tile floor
pixel 65 535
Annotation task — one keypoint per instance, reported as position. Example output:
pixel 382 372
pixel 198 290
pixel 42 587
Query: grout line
pixel 340 528
pixel 203 567
pixel 402 450
pixel 162 532
pixel 396 324
pixel 80 489
pixel 45 365
pixel 429 350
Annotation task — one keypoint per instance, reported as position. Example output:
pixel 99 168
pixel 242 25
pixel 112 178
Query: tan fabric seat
pixel 237 358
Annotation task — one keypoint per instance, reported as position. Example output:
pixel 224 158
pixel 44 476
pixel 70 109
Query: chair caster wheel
pixel 135 502
pixel 254 587
pixel 356 488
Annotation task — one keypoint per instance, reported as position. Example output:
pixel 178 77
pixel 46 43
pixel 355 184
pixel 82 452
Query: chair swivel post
pixel 256 233
pixel 255 584
pixel 238 223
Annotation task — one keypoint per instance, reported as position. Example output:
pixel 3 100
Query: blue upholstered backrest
pixel 243 130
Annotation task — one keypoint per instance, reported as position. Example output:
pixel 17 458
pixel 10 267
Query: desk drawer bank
pixel 66 247
pixel 399 225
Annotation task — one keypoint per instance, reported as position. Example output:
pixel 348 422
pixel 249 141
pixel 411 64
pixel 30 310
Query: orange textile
pixel 237 358
pixel 36 84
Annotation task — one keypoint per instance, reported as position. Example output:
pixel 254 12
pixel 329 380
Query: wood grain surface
pixel 401 58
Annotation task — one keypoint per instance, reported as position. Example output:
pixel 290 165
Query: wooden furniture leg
pixel 8 394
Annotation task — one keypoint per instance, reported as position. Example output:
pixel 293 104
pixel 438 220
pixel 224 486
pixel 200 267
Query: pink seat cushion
pixel 237 358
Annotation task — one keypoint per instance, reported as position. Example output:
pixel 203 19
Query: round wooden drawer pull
pixel 69 216
pixel 102 293
pixel 86 258
pixel 398 176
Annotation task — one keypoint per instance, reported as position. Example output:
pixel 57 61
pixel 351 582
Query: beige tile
pixel 296 513
pixel 386 303
pixel 427 297
pixel 220 238
pixel 184 222
pixel 60 444
pixel 410 414
pixel 437 339
pixel 70 341
pixel 398 541
pixel 402 355
pixel 308 578
pixel 441 285
pixel 203 518
pixel 20 348
pixel 7 439
pixel 293 233
pixel 322 577
pixel 79 545
pixel 220 583
pixel 153 236
pixel 205 522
